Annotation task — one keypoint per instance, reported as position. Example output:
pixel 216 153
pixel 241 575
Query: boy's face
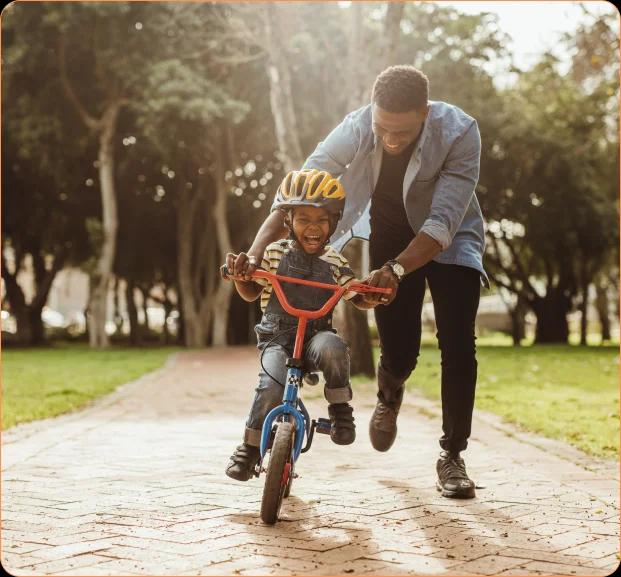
pixel 311 227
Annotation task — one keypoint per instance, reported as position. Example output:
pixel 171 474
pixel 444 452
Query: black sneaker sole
pixel 460 494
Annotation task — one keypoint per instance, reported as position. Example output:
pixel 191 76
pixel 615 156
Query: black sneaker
pixel 453 481
pixel 242 462
pixel 343 430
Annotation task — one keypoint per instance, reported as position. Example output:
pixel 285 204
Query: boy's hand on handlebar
pixel 382 278
pixel 240 265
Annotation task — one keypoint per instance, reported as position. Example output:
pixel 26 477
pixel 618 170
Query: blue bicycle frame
pixel 288 409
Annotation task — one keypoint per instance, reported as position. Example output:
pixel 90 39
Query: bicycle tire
pixel 278 472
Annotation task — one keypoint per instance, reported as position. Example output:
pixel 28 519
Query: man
pixel 410 167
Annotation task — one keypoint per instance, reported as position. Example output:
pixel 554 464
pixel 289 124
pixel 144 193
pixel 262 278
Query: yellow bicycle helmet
pixel 311 187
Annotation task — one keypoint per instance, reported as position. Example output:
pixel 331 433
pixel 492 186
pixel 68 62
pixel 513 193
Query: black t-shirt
pixel 390 230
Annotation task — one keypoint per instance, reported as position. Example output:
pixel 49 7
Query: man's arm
pixel 337 150
pixel 272 229
pixel 454 188
pixel 245 263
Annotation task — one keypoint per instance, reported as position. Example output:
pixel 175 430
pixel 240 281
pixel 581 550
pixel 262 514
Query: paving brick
pixel 489 565
pixel 76 562
pixel 352 510
pixel 561 569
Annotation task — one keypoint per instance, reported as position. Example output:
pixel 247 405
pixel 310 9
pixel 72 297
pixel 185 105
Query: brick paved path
pixel 135 485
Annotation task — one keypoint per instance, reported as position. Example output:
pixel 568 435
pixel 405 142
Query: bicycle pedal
pixel 323 426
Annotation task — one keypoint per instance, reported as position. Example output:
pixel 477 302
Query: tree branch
pixel 90 121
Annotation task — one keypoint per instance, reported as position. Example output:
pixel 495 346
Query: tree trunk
pixel 194 335
pixel 144 292
pixel 118 317
pixel 551 312
pixel 392 33
pixel 168 309
pixel 584 307
pixel 101 281
pixel 356 324
pixel 222 300
pixel 277 24
pixel 132 313
pixel 30 329
pixel 601 304
pixel 356 81
pixel 518 321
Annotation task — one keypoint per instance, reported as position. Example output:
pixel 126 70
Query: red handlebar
pixel 339 291
pixel 304 315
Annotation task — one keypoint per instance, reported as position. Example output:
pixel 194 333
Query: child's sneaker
pixel 242 462
pixel 343 431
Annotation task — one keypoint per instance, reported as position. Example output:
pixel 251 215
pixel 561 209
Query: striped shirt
pixel 273 255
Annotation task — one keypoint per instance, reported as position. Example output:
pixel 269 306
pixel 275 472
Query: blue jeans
pixel 325 352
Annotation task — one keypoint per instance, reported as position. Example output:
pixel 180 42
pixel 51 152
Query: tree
pixel 550 218
pixel 46 198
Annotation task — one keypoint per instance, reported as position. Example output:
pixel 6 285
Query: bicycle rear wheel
pixel 279 471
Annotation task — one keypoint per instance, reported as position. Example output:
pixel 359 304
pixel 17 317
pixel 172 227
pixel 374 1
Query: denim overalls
pixel 323 349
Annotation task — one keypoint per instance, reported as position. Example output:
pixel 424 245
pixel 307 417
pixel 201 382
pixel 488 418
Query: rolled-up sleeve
pixel 454 188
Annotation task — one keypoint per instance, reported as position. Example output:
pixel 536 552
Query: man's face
pixel 311 227
pixel 397 130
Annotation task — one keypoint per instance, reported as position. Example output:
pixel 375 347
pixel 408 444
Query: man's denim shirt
pixel 438 187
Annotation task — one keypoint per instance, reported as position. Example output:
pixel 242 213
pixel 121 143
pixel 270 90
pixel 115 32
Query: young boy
pixel 313 202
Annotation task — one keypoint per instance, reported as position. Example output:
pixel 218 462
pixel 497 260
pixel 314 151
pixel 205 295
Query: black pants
pixel 455 292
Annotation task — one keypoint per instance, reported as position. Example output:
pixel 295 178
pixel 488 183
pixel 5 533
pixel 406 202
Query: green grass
pixel 562 392
pixel 40 383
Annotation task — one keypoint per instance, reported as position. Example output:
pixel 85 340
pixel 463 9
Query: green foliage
pixel 186 71
pixel 41 383
pixel 562 392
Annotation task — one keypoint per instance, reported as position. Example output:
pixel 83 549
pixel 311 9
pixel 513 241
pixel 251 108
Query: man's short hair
pixel 401 88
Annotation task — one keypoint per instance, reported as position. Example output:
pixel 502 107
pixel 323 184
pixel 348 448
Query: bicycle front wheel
pixel 279 471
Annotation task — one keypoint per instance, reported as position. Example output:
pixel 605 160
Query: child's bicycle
pixel 286 426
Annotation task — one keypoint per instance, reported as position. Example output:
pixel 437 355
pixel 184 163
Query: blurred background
pixel 141 141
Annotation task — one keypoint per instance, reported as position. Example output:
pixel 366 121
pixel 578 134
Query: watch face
pixel 399 269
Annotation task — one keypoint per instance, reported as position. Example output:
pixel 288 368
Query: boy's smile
pixel 311 227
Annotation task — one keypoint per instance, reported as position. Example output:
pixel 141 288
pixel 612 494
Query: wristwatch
pixel 397 269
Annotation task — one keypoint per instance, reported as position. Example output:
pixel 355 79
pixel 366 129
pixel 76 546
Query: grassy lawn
pixel 563 392
pixel 40 383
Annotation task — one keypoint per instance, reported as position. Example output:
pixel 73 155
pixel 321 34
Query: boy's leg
pixel 269 393
pixel 328 353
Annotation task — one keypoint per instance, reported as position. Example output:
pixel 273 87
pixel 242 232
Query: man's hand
pixel 381 278
pixel 240 265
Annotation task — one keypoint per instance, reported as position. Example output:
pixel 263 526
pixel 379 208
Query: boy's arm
pixel 358 299
pixel 248 290
pixel 359 302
